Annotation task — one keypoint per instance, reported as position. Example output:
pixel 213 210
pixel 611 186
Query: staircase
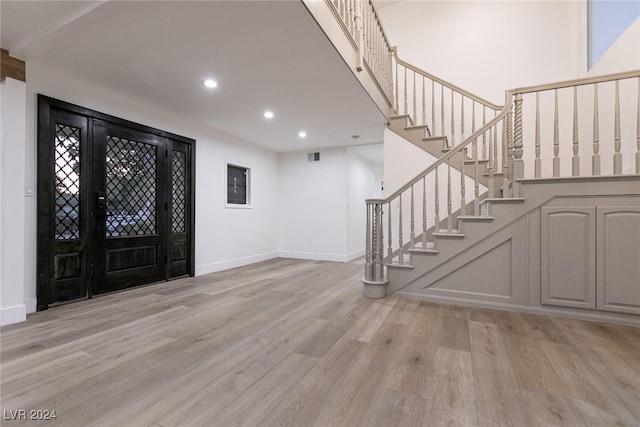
pixel 517 238
pixel 531 205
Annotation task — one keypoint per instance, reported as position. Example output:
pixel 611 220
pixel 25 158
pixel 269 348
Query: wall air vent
pixel 313 157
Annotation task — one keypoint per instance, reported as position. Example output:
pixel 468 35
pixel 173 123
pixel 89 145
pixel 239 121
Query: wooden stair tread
pixel 399 266
pixel 472 162
pixel 475 218
pixel 499 200
pixel 455 234
pixel 431 251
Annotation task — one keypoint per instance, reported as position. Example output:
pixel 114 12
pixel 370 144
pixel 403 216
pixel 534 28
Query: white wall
pixel 224 237
pixel 313 201
pixel 12 201
pixel 322 209
pixel 360 186
pixel 487 46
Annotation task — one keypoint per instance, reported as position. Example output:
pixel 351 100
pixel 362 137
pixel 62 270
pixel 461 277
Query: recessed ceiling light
pixel 210 83
pixel 268 115
pixel 302 134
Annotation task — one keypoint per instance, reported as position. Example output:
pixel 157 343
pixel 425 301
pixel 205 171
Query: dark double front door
pixel 115 204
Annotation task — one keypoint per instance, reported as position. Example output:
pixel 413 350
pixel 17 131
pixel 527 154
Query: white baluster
pixel 537 161
pixel 617 156
pixel 463 204
pixel 453 125
pixel 638 132
pixel 433 108
pixel 378 272
pixel 397 90
pixel 484 135
pixel 495 147
pixel 415 116
pixel 406 108
pixel 491 163
pixel 575 160
pixel 424 106
pixel 461 118
pixel 505 162
pixel 556 138
pixel 436 192
pixel 368 273
pixel 517 167
pixel 595 159
pixel 473 120
pixel 412 236
pixel 476 200
pixel 449 211
pixel 389 238
pixel 442 113
pixel 424 211
pixel 400 235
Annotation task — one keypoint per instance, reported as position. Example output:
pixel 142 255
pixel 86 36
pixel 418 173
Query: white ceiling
pixel 264 55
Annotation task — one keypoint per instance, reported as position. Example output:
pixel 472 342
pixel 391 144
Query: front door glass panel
pixel 131 187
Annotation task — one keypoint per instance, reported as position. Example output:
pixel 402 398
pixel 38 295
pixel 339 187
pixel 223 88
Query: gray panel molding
pixel 471 273
pixel 618 259
pixel 522 223
pixel 568 256
pixel 472 278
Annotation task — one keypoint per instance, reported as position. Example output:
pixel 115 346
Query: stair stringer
pixel 449 275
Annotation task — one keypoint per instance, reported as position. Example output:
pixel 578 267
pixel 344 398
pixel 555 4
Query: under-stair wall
pixel 568 247
pixel 547 234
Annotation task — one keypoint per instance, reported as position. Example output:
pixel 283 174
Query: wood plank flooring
pixel 293 343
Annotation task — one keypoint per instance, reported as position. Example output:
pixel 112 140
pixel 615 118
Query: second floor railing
pixel 362 23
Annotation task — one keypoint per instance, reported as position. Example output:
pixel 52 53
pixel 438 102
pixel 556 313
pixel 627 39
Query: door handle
pixel 101 202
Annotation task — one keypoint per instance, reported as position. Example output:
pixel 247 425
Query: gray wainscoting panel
pixel 493 270
pixel 488 275
pixel 569 256
pixel 618 254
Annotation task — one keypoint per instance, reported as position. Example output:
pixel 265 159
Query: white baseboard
pixel 31 305
pixel 596 316
pixel 355 255
pixel 232 263
pixel 315 256
pixel 240 262
pixel 15 314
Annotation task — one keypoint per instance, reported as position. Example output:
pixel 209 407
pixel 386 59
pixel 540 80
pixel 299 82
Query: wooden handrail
pixel 444 82
pixel 577 82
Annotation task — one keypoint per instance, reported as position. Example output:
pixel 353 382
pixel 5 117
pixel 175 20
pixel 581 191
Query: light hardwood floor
pixel 294 343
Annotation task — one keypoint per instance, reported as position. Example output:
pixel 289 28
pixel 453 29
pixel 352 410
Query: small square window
pixel 238 186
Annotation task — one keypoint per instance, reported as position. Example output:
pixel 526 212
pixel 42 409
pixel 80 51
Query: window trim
pixel 249 204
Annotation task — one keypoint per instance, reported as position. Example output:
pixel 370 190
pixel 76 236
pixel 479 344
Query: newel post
pixel 375 284
pixel 517 171
pixel 359 34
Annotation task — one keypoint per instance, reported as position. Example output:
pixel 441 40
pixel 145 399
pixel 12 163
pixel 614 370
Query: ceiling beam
pixel 11 67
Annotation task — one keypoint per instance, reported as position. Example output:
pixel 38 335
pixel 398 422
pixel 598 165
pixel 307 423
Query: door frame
pixel 45 223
